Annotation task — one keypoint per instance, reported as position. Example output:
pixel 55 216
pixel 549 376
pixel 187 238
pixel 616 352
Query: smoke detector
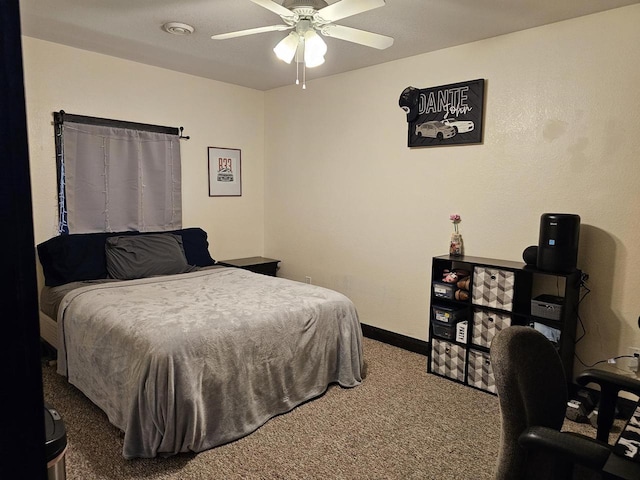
pixel 177 28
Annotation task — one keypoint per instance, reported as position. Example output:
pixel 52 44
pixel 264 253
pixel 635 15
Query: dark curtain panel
pixel 22 437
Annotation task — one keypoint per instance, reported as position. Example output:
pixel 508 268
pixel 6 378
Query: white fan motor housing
pixel 315 4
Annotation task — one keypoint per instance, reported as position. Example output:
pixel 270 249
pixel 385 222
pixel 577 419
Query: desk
pixel 624 460
pixel 618 465
pixel 620 468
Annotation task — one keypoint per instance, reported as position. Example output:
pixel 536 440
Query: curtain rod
pixel 60 117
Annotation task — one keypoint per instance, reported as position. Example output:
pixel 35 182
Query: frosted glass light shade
pixel 313 62
pixel 286 49
pixel 314 49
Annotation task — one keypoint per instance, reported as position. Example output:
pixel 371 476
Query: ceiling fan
pixel 307 19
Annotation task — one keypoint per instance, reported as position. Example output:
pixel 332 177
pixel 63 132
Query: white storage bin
pixel 493 288
pixel 480 371
pixel 448 359
pixel 486 324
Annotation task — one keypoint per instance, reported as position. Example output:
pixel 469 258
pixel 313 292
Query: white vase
pixel 455 247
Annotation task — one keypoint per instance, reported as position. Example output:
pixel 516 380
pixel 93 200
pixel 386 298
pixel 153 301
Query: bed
pixel 192 359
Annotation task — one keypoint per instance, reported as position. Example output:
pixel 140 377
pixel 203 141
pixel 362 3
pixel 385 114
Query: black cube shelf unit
pixel 499 293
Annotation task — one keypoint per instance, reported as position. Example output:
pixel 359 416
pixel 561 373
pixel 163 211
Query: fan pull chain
pixel 297 73
pixel 304 75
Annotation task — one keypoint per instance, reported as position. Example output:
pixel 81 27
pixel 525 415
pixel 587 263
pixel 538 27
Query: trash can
pixel 55 443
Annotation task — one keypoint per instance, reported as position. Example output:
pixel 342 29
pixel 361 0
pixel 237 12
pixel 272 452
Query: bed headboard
pixel 76 257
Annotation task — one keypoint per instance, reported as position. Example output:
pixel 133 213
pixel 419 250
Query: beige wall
pixel 212 114
pixel 348 204
pixel 330 187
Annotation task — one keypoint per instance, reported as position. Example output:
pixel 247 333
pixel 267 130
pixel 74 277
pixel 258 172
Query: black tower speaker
pixel 558 242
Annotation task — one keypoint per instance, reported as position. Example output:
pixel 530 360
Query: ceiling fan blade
pixel 251 31
pixel 355 35
pixel 346 8
pixel 274 7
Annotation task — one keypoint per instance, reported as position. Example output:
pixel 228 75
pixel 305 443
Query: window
pixel 117 176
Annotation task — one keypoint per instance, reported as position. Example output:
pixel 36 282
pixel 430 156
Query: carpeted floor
pixel 400 423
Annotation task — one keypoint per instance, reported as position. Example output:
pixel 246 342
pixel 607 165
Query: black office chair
pixel 532 392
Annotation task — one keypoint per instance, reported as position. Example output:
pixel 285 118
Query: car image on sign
pixel 435 129
pixel 460 126
pixel 225 175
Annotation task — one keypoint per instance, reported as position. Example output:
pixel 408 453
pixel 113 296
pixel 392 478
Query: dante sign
pixel 444 115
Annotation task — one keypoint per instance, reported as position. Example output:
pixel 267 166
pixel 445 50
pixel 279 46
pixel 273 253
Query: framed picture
pixel 448 115
pixel 225 174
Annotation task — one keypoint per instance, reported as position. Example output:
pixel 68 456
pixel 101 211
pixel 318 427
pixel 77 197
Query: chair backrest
pixel 532 391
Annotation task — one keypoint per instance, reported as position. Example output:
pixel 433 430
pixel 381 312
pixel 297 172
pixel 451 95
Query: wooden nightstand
pixel 265 266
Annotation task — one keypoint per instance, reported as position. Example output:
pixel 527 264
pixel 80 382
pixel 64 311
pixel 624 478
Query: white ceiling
pixel 131 29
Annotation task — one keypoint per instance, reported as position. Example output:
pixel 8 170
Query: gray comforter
pixel 191 361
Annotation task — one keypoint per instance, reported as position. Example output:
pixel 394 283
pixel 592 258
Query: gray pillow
pixel 141 256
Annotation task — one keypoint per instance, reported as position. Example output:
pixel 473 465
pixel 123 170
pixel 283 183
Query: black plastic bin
pixel 55 444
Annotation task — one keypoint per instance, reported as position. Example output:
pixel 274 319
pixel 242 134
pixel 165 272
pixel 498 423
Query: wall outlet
pixel 634 363
pixel 308 280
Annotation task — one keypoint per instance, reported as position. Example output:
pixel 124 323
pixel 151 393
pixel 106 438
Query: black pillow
pixel 71 258
pixel 81 256
pixel 196 246
pixel 141 256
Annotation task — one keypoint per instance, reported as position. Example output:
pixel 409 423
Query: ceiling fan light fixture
pixel 286 49
pixel 308 18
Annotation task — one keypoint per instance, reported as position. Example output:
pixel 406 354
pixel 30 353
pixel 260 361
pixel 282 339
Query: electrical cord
pixel 583 285
pixel 585 290
pixel 584 331
pixel 608 360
